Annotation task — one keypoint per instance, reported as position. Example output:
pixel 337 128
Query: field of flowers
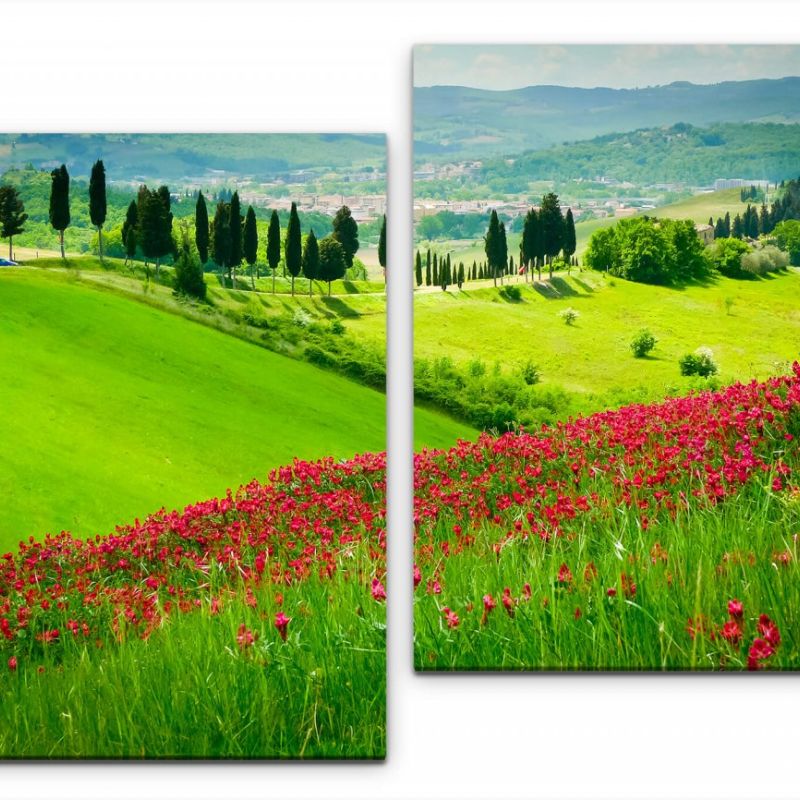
pixel 247 626
pixel 661 537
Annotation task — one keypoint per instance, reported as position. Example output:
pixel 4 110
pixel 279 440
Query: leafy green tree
pixel 250 242
pixel 221 237
pixel 59 203
pixel 382 244
pixel 293 254
pixel 12 216
pixel 726 255
pixel 686 257
pixel 332 262
pixel 787 237
pixel 274 245
pixel 418 269
pixel 345 231
pixel 311 260
pixel 201 228
pixel 97 201
pixel 189 280
pixel 166 244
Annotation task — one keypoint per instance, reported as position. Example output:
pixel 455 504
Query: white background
pixel 346 66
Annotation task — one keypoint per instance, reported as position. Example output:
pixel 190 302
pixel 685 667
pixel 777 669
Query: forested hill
pixel 677 154
pixel 456 122
pixel 170 157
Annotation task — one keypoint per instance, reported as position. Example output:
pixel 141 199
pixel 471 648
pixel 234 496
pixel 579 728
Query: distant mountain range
pixel 170 157
pixel 456 122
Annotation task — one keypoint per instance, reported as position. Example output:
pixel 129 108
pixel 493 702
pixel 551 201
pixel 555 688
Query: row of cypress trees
pixel 546 234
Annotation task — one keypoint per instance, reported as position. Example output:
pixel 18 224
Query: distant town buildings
pixel 736 183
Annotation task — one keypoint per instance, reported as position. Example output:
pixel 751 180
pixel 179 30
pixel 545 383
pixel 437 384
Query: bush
pixel 530 373
pixel 766 259
pixel 337 327
pixel 569 315
pixel 643 343
pixel 701 363
pixel 726 255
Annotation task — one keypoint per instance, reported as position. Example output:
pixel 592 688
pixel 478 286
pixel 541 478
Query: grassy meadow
pixel 591 359
pixel 118 402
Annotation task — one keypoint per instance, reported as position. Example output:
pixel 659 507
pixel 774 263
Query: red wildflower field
pixel 285 579
pixel 618 540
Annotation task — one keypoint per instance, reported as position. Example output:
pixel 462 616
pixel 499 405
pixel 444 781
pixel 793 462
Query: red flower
pixel 508 602
pixel 450 617
pixel 245 637
pixel 417 576
pixel 282 623
pixel 769 630
pixel 735 609
pixel 732 632
pixel 378 592
pixel 12 663
pixel 759 651
pixel 564 574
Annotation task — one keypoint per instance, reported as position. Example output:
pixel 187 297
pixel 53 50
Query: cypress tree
pixel 418 269
pixel 250 243
pixel 719 228
pixel 727 224
pixel 97 201
pixel 764 220
pixel 130 244
pixel 311 260
pixel 12 216
pixel 570 240
pixel 236 234
pixel 491 245
pixel 382 245
pixel 552 222
pixel 128 226
pixel 345 231
pixel 737 231
pixel 435 270
pixel 165 243
pixel 460 274
pixel 188 269
pixel 428 275
pixel 59 203
pixel 201 228
pixel 294 247
pixel 332 262
pixel 274 245
pixel 502 251
pixel 221 237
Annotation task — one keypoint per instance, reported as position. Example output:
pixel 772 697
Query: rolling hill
pixel 457 122
pixel 113 408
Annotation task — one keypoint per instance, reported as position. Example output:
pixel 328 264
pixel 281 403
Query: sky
pixel 509 66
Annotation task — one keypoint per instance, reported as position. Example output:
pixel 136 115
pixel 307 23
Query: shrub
pixel 726 255
pixel 302 318
pixel 766 259
pixel 569 315
pixel 701 363
pixel 643 343
pixel 337 327
pixel 530 373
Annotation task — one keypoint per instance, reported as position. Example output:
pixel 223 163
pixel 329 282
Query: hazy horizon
pixel 509 67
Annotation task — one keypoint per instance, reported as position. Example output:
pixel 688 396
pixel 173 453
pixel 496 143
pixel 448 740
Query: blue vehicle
pixel 4 262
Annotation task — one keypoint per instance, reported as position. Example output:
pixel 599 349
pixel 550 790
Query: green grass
pixel 189 690
pixel 113 408
pixel 705 558
pixel 702 206
pixel 592 357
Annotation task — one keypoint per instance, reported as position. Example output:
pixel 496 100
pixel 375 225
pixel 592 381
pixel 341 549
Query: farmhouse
pixel 705 232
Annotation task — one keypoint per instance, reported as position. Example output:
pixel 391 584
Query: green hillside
pixel 591 359
pixel 702 206
pixel 112 408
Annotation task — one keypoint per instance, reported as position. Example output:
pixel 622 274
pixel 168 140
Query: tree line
pixel 227 240
pixel 547 234
pixel 755 221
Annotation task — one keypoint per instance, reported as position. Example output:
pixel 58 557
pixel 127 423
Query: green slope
pixel 112 408
pixel 760 335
